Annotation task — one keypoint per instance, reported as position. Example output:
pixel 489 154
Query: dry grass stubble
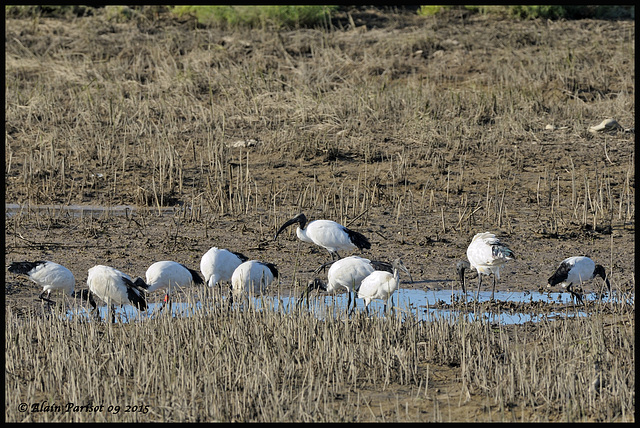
pixel 270 365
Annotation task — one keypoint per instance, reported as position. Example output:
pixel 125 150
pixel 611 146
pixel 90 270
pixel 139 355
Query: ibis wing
pixel 358 239
pixel 135 295
pixel 24 267
pixel 561 274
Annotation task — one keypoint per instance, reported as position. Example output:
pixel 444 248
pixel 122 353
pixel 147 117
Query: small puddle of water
pixel 419 303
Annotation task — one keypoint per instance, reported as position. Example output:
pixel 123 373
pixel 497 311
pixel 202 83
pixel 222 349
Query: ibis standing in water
pixel 50 276
pixel 327 234
pixel 217 265
pixel 167 275
pixel 116 288
pixel 252 277
pixel 348 273
pixel 381 284
pixel 487 255
pixel 575 271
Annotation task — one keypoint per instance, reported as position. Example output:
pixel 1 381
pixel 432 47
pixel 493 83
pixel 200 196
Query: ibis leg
pixel 479 284
pixel 46 299
pixel 493 292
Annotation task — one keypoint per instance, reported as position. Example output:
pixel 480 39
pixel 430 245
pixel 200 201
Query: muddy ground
pixel 429 233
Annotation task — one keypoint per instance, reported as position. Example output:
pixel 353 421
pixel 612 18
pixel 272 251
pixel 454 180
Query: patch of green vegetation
pixel 542 11
pixel 535 12
pixel 430 10
pixel 258 16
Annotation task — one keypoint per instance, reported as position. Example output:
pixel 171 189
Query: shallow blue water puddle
pixel 419 303
pixel 411 303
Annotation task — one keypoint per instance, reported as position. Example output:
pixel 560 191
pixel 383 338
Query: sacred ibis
pixel 327 234
pixel 217 265
pixel 487 255
pixel 116 288
pixel 381 285
pixel 167 275
pixel 348 273
pixel 576 270
pixel 50 276
pixel 252 277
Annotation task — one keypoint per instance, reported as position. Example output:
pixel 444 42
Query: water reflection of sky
pixel 414 303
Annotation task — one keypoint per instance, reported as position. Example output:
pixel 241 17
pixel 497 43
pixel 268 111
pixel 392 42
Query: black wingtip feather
pixel 24 267
pixel 385 266
pixel 195 275
pixel 358 239
pixel 135 295
pixel 273 269
pixel 560 275
pixel 241 256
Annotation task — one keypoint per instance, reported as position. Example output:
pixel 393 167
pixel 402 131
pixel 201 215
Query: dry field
pixel 416 131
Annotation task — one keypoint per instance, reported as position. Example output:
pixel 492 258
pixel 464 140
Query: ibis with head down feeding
pixel 487 255
pixel 252 278
pixel 217 265
pixel 50 276
pixel 116 288
pixel 381 285
pixel 167 275
pixel 575 271
pixel 348 273
pixel 327 234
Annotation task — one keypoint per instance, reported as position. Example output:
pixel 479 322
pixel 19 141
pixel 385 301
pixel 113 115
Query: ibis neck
pixel 302 235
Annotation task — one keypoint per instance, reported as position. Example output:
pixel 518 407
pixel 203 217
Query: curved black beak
pixel 461 266
pixel 46 299
pixel 139 283
pixel 316 284
pixel 86 294
pixel 323 267
pixel 398 264
pixel 297 219
pixel 405 270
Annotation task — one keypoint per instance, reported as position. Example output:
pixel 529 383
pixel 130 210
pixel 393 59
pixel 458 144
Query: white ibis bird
pixel 576 270
pixel 348 273
pixel 116 288
pixel 381 285
pixel 217 265
pixel 327 234
pixel 50 276
pixel 253 277
pixel 167 275
pixel 487 255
